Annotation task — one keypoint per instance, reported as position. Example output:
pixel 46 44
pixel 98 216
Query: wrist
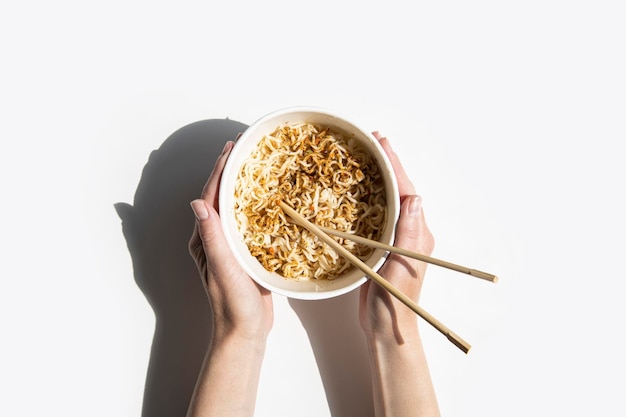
pixel 240 336
pixel 239 347
pixel 394 338
pixel 396 330
pixel 252 329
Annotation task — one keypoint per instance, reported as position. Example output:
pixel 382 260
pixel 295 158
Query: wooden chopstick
pixel 359 239
pixel 300 220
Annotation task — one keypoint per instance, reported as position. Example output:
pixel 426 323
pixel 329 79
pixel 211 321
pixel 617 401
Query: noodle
pixel 325 177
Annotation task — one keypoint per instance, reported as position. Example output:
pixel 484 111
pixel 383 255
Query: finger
pixel 210 190
pixel 210 231
pixel 410 231
pixel 408 227
pixel 405 185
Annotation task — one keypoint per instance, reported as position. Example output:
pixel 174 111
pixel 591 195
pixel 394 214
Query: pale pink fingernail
pixel 415 206
pixel 227 147
pixel 199 209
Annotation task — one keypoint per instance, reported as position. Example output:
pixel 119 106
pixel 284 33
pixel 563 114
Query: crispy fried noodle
pixel 326 177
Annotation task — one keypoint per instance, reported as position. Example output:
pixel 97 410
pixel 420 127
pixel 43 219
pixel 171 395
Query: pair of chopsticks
pixel 323 234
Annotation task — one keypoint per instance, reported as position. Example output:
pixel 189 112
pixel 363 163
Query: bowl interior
pixel 303 289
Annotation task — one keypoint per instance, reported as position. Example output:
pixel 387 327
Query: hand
pixel 240 306
pixel 380 313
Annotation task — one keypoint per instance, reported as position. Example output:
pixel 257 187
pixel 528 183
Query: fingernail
pixel 227 147
pixel 199 209
pixel 378 136
pixel 415 206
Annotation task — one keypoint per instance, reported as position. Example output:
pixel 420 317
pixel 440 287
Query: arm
pixel 402 385
pixel 242 315
pixel 228 382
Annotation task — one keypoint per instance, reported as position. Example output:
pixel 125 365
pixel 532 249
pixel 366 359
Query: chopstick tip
pixel 483 275
pixel 458 342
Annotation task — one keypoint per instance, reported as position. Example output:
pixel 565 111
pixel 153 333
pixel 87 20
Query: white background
pixel 509 117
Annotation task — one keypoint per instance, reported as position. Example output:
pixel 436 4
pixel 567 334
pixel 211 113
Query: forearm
pixel 229 378
pixel 402 385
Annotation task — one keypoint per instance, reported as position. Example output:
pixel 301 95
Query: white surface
pixel 508 116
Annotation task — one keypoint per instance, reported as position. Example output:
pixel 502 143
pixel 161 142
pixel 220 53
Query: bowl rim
pixel 224 208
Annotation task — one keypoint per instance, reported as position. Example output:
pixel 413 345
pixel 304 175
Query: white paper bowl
pixel 302 289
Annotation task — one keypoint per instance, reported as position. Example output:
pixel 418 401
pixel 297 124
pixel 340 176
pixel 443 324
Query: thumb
pixel 408 229
pixel 408 236
pixel 207 218
pixel 210 231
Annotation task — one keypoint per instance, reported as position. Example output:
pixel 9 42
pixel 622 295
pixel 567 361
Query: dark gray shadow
pixel 340 351
pixel 157 228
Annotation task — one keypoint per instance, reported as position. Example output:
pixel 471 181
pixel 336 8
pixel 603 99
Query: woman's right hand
pixel 382 315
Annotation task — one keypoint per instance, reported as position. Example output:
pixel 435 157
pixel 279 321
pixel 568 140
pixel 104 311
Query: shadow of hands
pixel 157 228
pixel 340 350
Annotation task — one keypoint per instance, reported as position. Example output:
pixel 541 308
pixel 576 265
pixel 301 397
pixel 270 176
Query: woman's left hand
pixel 240 306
